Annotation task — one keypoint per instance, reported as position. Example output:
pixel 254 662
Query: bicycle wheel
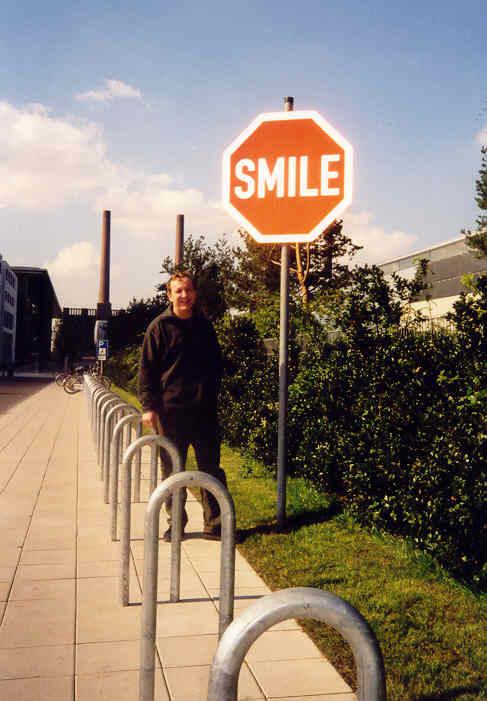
pixel 70 385
pixel 59 378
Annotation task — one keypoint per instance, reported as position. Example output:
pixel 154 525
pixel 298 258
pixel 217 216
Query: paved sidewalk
pixel 64 635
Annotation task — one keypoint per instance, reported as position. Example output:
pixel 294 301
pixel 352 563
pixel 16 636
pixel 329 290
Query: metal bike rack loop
pixel 176 511
pixel 298 602
pixel 115 399
pixel 98 392
pixel 99 401
pixel 119 408
pixel 111 474
pixel 95 390
pixel 151 554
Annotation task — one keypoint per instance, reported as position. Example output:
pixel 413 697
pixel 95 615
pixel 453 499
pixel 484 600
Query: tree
pixel 369 305
pixel 477 240
pixel 313 267
pixel 128 327
pixel 213 268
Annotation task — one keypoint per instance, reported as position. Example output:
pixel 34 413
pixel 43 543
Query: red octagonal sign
pixel 287 177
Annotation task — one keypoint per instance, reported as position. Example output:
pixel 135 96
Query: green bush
pixel 401 437
pixel 393 423
pixel 122 368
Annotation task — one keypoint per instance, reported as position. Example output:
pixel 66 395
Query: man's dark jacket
pixel 181 364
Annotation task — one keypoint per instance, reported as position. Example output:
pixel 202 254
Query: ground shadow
pixel 18 389
pixel 451 693
pixel 293 523
pixel 200 600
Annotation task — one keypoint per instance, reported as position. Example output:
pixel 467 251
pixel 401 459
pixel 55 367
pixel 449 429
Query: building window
pixel 8 319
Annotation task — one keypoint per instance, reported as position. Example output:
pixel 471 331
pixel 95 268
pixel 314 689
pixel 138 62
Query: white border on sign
pixel 326 221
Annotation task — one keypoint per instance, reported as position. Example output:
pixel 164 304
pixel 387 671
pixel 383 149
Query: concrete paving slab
pixel 41 661
pixel 282 645
pixel 53 516
pixel 5 587
pixel 114 686
pixel 294 677
pixel 7 573
pixel 192 683
pixel 27 590
pixel 100 658
pixel 35 622
pixel 45 571
pixel 199 618
pixel 48 557
pixel 9 554
pixel 187 650
pixel 38 689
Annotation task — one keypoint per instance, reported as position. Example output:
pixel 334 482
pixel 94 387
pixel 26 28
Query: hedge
pixel 393 423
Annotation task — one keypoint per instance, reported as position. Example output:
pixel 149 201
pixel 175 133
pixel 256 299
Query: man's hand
pixel 149 418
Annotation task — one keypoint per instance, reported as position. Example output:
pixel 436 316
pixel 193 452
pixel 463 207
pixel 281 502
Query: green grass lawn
pixel 432 631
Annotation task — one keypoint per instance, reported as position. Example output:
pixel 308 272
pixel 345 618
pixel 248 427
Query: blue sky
pixel 129 107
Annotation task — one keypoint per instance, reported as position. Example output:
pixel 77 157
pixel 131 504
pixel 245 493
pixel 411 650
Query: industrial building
pixel 448 263
pixel 8 315
pixel 37 307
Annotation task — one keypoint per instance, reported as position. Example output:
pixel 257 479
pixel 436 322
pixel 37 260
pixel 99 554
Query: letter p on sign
pixel 287 177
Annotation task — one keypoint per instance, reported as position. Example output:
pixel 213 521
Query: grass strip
pixel 431 629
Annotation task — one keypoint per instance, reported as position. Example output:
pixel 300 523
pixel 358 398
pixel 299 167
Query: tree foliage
pixel 314 267
pixel 390 419
pixel 477 240
pixel 128 327
pixel 213 268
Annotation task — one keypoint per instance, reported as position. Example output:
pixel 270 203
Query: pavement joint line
pixel 27 531
pixel 26 450
pixel 32 414
pixel 75 632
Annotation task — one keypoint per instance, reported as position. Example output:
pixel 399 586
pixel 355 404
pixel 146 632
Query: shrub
pixel 122 368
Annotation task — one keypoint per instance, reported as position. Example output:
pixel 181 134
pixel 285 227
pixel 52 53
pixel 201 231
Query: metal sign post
pixel 286 178
pixel 102 350
pixel 283 373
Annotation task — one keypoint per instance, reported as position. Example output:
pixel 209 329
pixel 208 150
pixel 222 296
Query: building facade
pixel 37 306
pixel 448 263
pixel 8 314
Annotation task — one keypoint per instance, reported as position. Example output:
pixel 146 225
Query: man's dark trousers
pixel 199 428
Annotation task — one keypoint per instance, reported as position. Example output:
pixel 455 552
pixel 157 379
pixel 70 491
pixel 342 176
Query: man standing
pixel 179 379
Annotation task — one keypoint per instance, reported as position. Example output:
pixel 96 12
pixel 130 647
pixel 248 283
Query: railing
pixel 111 477
pixel 103 430
pixel 153 440
pixel 235 637
pixel 119 408
pixel 151 553
pixel 300 602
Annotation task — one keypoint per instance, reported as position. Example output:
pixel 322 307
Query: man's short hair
pixel 180 275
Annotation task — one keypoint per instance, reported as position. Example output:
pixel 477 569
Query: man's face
pixel 182 296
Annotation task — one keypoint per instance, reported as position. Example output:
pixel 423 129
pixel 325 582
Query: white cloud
pixel 378 245
pixel 113 89
pixel 78 259
pixel 74 273
pixel 147 207
pixel 47 161
pixel 482 136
